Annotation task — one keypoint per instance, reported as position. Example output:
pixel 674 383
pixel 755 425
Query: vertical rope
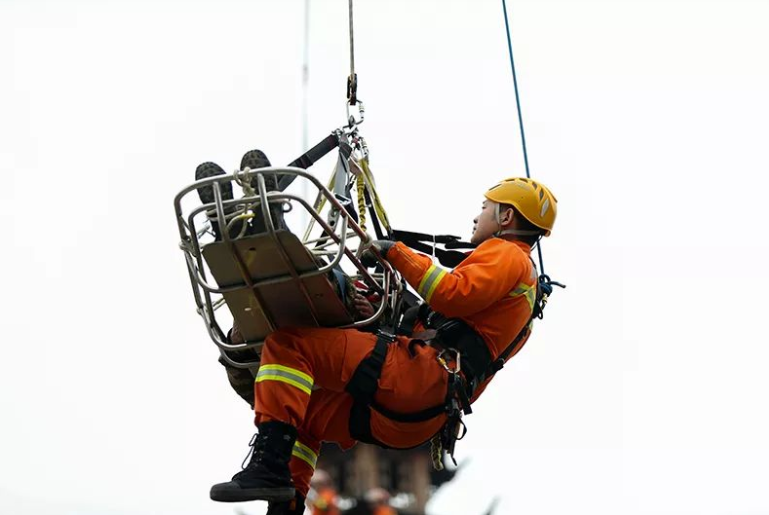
pixel 304 217
pixel 515 86
pixel 305 75
pixel 352 45
pixel 520 115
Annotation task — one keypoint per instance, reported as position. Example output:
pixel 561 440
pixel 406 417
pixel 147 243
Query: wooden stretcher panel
pixel 284 301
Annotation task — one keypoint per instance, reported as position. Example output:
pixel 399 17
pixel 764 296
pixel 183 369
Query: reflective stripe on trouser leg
pixel 304 457
pixel 282 393
pixel 288 375
pixel 303 452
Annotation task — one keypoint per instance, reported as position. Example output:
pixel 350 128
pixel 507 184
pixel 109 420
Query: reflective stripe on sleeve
pixel 430 281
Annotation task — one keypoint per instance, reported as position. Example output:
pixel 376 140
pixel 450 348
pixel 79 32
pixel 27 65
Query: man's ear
pixel 507 216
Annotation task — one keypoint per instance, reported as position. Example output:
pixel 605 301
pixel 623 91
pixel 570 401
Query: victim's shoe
pixel 206 194
pixel 255 159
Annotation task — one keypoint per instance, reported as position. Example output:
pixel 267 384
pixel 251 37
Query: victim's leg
pixel 293 362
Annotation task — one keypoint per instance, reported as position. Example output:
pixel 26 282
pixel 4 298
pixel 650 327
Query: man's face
pixel 485 224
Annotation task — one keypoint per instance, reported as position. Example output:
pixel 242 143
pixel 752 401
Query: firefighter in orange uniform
pixel 343 386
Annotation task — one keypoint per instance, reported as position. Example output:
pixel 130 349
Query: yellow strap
pixel 321 200
pixel 380 211
pixel 360 185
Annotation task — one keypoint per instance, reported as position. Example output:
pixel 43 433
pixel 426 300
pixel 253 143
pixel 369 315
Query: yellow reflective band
pixel 305 377
pixel 304 453
pixel 430 281
pixel 295 378
pixel 531 296
pixel 530 292
pixel 425 278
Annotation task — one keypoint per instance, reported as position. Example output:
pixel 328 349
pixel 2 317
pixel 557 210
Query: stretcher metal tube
pixel 282 250
pixel 242 268
pixel 190 245
pixel 201 278
pixel 332 199
pixel 309 158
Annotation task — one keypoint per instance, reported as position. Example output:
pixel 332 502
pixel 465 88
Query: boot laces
pixel 255 451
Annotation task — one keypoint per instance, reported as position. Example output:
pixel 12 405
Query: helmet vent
pixel 545 206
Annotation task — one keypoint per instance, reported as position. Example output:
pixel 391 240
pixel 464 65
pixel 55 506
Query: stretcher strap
pixel 377 227
pixel 309 158
pixel 417 241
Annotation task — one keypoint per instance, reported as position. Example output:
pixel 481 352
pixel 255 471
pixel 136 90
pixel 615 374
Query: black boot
pixel 293 507
pixel 267 476
pixel 206 194
pixel 254 159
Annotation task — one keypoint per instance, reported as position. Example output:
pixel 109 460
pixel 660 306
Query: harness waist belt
pixel 474 355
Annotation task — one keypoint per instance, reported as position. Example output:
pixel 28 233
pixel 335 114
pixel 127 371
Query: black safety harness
pixel 463 354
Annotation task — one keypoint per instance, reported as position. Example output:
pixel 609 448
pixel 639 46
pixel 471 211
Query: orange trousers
pixel 302 380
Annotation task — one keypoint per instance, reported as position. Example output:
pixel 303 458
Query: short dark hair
pixel 524 225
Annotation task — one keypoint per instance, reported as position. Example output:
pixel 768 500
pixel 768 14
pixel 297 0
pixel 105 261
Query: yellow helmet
pixel 530 198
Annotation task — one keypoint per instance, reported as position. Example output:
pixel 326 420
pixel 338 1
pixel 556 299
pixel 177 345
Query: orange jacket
pixel 493 289
pixel 384 510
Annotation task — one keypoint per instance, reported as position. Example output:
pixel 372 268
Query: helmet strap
pixel 516 232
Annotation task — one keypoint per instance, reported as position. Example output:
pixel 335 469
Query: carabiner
pixel 444 362
pixel 351 121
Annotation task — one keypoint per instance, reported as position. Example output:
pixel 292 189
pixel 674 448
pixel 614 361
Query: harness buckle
pixel 446 351
pixel 381 333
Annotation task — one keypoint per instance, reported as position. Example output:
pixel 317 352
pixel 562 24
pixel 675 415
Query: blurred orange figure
pixel 378 500
pixel 325 500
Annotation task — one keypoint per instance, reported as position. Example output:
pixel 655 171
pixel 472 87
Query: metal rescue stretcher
pixel 274 279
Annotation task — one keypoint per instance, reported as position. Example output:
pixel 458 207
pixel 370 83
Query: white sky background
pixel 644 391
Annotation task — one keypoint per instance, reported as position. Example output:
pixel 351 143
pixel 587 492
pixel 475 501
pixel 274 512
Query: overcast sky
pixel 644 390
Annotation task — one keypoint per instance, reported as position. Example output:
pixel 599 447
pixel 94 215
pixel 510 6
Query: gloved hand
pixel 368 258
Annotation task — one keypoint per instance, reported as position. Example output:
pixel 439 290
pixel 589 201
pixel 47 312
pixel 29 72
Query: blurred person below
pixel 378 500
pixel 323 495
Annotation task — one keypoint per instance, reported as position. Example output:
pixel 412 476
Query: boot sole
pixel 254 494
pixel 255 159
pixel 206 193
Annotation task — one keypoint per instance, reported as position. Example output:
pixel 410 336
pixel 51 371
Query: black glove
pixel 368 257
